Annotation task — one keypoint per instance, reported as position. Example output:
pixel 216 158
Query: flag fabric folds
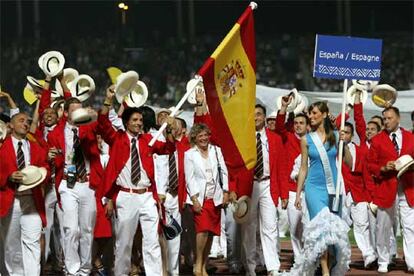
pixel 230 83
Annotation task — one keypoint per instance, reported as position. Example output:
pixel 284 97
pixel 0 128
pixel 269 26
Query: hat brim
pixel 161 110
pixel 405 168
pixel 373 208
pixel 138 96
pixel 35 84
pixel 84 120
pixel 82 116
pixel 242 218
pixel 364 84
pixel 25 187
pixel 125 83
pixel 82 93
pixel 46 64
pixel 192 97
pixel 350 95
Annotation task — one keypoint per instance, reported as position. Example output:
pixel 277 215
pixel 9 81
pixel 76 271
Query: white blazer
pixel 195 176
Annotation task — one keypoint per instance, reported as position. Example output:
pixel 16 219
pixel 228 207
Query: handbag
pixel 219 170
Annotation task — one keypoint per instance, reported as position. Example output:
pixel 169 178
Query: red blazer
pixel 87 137
pixel 381 151
pixel 38 157
pixel 361 168
pixel 120 149
pixel 181 146
pixel 292 147
pixel 354 180
pixel 278 167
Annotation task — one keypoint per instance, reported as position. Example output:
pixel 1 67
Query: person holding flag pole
pixel 323 191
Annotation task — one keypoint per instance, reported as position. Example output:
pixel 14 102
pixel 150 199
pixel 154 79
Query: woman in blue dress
pixel 326 234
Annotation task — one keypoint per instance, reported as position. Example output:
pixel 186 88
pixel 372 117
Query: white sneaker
pixel 369 260
pixel 383 268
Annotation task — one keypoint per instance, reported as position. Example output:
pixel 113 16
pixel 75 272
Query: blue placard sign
pixel 344 57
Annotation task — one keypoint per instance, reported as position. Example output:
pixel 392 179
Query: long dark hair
pixel 327 124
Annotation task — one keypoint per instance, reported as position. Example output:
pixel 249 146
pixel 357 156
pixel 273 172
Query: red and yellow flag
pixel 229 77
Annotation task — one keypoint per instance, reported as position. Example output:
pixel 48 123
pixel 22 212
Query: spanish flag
pixel 230 84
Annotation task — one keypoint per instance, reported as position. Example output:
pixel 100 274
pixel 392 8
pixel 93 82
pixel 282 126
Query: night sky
pixel 216 17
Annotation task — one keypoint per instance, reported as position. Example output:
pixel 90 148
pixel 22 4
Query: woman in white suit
pixel 207 190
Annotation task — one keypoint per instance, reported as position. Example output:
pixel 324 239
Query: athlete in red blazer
pixel 120 152
pixel 365 133
pixel 134 202
pixel 22 213
pixel 87 136
pixel 38 157
pixel 381 152
pixel 386 147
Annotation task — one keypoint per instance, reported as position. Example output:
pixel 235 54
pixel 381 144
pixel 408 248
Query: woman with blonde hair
pixel 207 185
pixel 326 234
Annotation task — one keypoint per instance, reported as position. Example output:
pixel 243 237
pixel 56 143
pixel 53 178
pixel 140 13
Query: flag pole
pixel 176 108
pixel 336 202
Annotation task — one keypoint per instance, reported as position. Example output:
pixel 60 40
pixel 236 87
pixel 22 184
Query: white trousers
pixel 263 206
pixel 283 222
pixel 407 223
pixel 295 224
pixel 219 244
pixel 171 209
pixel 133 209
pixel 360 218
pixel 79 217
pixel 233 237
pixel 21 230
pixel 373 235
pixel 383 231
pixel 53 227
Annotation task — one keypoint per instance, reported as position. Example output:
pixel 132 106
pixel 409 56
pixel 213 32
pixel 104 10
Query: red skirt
pixel 209 220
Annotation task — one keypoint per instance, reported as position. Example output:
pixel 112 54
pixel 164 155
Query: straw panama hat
pixel 32 176
pixel 125 83
pixel 241 209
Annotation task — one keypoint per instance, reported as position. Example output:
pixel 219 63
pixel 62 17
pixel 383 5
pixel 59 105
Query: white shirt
pixel 398 138
pixel 46 131
pixel 26 152
pixel 69 150
pixel 352 150
pixel 115 120
pixel 161 167
pixel 124 178
pixel 25 149
pixel 210 185
pixel 265 151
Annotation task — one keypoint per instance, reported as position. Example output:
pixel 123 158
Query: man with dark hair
pixel 129 178
pixel 291 141
pixel 360 184
pixel 22 214
pixel 386 148
pixel 78 173
pixel 379 120
pixel 269 176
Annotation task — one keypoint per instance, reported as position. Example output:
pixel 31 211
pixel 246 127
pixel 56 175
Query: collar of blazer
pixel 198 159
